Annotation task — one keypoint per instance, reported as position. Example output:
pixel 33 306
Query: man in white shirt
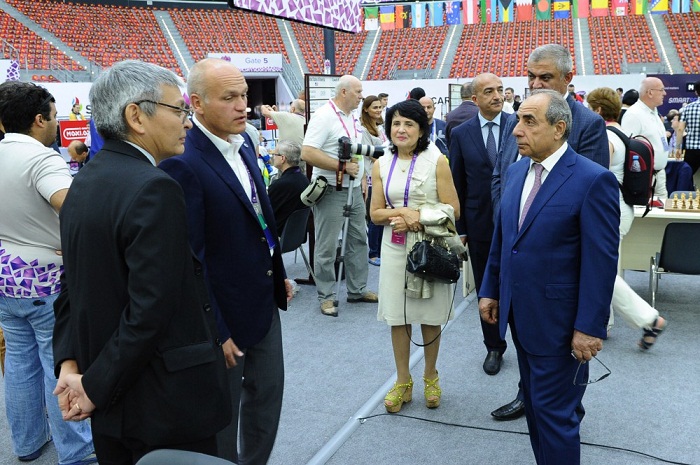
pixel 328 124
pixel 642 118
pixel 291 123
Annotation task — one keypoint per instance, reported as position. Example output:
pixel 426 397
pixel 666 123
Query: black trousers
pixel 112 451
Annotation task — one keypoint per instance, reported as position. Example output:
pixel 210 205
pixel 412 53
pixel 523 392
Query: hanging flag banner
pixel 599 8
pixel 523 10
pixel 418 15
pixel 398 17
pixel 435 10
pixel 658 7
pixel 542 9
pixel 695 6
pixel 470 11
pixel 452 13
pixel 675 6
pixel 685 6
pixel 485 11
pixel 406 16
pixel 371 18
pixel 494 11
pixel 640 7
pixel 386 17
pixel 581 9
pixel 619 7
pixel 561 9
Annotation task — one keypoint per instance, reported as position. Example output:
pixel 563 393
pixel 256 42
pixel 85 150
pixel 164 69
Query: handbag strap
pixel 405 319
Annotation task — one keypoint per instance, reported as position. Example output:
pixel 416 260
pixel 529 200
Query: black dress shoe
pixel 492 363
pixel 511 411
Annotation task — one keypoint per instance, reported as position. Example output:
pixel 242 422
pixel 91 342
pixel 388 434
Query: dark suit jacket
pixel 133 311
pixel 471 171
pixel 464 112
pixel 284 195
pixel 587 138
pixel 440 135
pixel 556 273
pixel 245 282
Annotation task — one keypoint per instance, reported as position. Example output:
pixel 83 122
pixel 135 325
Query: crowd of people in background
pixel 130 308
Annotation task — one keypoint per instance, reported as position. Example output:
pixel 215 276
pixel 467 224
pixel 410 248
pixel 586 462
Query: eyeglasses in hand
pixel 578 382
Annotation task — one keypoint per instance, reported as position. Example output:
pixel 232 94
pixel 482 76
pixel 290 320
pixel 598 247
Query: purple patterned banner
pixel 337 14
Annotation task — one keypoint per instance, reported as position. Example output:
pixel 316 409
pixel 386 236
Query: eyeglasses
pixel 576 381
pixel 660 90
pixel 185 112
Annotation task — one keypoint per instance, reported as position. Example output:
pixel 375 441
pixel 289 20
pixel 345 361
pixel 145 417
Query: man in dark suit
pixel 135 341
pixel 549 67
pixel 285 191
pixel 464 112
pixel 551 271
pixel 472 158
pixel 232 231
pixel 437 127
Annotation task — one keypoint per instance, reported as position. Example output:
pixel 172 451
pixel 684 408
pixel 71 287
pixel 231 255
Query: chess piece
pixel 675 202
pixel 683 201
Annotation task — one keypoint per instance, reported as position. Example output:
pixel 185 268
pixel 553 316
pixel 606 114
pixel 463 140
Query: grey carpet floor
pixel 337 367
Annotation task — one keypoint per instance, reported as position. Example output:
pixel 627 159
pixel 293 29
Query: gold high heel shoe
pixel 432 392
pixel 398 395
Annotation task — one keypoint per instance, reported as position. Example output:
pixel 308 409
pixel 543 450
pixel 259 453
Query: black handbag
pixel 433 263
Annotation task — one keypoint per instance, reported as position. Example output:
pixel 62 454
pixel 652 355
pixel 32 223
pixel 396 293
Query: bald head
pixel 488 95
pixel 207 70
pixel 428 106
pixel 298 107
pixel 652 92
pixel 348 93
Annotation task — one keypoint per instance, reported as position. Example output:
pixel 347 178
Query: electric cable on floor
pixel 496 430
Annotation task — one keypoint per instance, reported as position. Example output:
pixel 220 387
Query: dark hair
pixel 412 110
pixel 696 86
pixel 630 97
pixel 22 101
pixel 365 119
pixel 382 95
pixel 416 93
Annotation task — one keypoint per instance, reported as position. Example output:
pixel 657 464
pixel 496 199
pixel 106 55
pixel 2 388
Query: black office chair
pixel 180 457
pixel 294 235
pixel 680 254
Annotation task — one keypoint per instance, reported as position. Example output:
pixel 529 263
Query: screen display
pixel 343 15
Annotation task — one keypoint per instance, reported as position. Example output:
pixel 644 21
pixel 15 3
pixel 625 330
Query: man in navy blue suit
pixel 551 271
pixel 549 67
pixel 473 149
pixel 233 233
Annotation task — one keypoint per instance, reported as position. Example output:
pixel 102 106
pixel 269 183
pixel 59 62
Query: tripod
pixel 340 260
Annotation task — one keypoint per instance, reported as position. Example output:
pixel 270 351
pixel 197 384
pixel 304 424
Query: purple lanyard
pixel 253 192
pixel 337 113
pixel 408 180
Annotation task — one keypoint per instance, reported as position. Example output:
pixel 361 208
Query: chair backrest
pixel 294 233
pixel 680 249
pixel 179 457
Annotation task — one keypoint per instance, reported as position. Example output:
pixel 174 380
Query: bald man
pixel 437 126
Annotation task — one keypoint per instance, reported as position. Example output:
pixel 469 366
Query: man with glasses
pixel 642 118
pixel 285 191
pixel 551 271
pixel 135 340
pixel 232 231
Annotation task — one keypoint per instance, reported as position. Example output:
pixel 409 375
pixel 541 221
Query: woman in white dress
pixel 416 175
pixel 625 302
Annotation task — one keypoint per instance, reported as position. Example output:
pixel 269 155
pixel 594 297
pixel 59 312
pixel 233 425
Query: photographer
pixel 329 123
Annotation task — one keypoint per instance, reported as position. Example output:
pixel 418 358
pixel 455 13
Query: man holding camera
pixel 321 149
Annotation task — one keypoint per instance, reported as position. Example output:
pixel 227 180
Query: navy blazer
pixel 246 283
pixel 557 272
pixel 587 138
pixel 464 112
pixel 440 135
pixel 471 172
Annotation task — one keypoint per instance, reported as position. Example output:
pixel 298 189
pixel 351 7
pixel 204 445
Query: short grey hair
pixel 299 106
pixel 557 109
pixel 127 82
pixel 466 91
pixel 291 150
pixel 344 83
pixel 559 55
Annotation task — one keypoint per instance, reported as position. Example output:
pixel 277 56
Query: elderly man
pixel 642 118
pixel 473 155
pixel 36 178
pixel 285 191
pixel 291 123
pixel 464 112
pixel 134 319
pixel 329 123
pixel 437 126
pixel 549 67
pixel 551 271
pixel 232 231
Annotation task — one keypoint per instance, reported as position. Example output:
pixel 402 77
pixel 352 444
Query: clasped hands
pixel 73 402
pixel 407 220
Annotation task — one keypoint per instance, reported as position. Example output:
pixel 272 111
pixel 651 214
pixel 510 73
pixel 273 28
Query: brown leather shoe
pixel 328 309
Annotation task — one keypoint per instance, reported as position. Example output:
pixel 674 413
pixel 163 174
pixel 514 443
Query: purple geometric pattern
pixel 337 14
pixel 21 279
pixel 13 71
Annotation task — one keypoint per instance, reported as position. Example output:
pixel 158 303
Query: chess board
pixel 689 204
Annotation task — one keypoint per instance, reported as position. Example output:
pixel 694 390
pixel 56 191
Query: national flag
pixel 542 9
pixel 685 6
pixel 418 15
pixel 600 8
pixel 581 9
pixel 523 10
pixel 470 11
pixel 452 10
pixel 398 17
pixel 386 17
pixel 695 6
pixel 371 18
pixel 486 11
pixel 640 7
pixel 562 9
pixel 435 10
pixel 505 10
pixel 406 16
pixel 658 7
pixel 619 7
pixel 494 11
pixel 675 6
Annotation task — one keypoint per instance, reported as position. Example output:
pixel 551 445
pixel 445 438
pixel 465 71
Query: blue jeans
pixel 30 381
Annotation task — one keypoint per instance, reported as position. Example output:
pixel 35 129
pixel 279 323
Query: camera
pixel 346 149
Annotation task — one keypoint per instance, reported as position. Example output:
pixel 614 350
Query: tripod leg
pixel 341 260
